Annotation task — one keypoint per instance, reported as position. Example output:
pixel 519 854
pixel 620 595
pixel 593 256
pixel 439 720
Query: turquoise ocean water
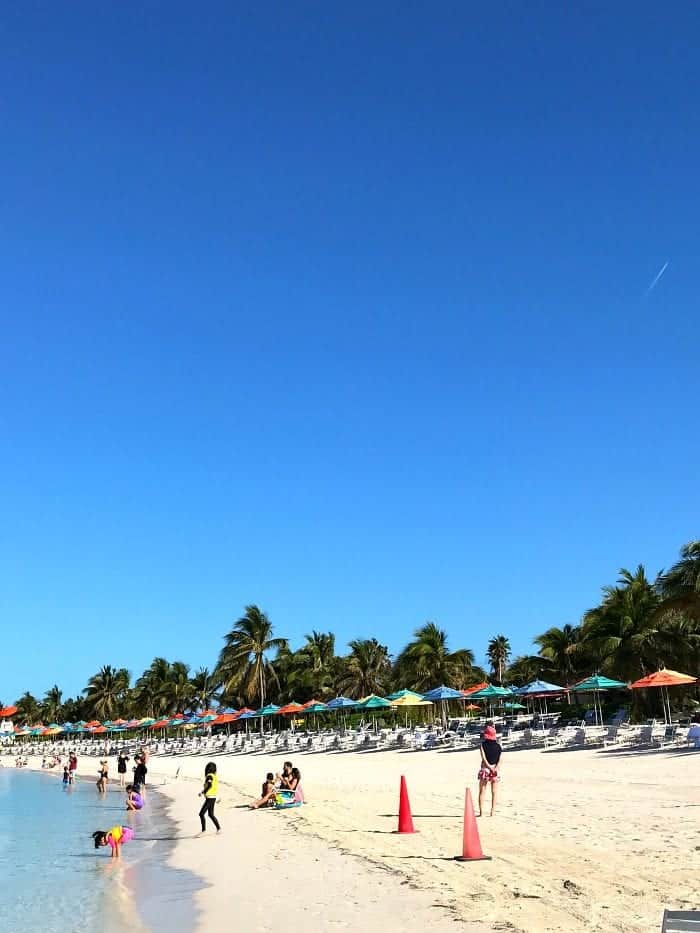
pixel 55 881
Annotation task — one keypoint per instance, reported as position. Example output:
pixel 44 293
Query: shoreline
pixel 142 889
pixel 589 841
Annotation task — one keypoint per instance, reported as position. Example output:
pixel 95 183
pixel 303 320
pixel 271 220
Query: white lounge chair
pixel 680 921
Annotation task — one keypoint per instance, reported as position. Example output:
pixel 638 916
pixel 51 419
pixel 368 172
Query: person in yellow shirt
pixel 209 792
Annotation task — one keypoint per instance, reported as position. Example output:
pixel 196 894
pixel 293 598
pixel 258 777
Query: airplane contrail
pixel 657 278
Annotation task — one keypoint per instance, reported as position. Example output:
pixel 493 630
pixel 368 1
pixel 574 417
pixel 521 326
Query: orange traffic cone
pixel 471 844
pixel 405 818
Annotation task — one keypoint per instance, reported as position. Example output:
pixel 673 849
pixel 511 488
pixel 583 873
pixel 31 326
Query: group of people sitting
pixel 281 789
pixel 51 762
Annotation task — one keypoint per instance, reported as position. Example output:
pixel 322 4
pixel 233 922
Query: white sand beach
pixel 583 841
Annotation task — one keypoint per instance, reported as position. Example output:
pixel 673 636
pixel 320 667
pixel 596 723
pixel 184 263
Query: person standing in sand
pixel 491 753
pixel 209 792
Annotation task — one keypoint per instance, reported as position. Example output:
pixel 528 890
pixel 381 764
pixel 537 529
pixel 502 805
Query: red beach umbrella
pixel 7 711
pixel 98 730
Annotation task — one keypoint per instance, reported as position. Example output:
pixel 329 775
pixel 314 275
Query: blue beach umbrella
pixel 442 695
pixel 538 687
pixel 342 703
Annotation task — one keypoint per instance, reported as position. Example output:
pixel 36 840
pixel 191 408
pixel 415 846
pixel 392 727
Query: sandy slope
pixel 584 841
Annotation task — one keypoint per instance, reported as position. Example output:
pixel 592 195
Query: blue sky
pixel 342 311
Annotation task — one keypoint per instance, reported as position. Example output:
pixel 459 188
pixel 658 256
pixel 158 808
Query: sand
pixel 583 840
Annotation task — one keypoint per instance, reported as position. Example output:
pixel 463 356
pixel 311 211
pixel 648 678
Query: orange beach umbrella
pixel 291 708
pixel 7 711
pixel 664 679
pixel 468 692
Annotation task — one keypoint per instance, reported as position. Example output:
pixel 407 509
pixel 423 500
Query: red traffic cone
pixel 471 844
pixel 405 818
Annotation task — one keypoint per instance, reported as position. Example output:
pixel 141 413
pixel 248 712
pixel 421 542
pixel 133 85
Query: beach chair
pixel 680 921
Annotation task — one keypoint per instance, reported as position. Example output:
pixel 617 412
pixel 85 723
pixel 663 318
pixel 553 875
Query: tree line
pixel 639 625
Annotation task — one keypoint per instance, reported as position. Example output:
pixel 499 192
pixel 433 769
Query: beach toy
pixel 286 799
pixel 471 844
pixel 405 816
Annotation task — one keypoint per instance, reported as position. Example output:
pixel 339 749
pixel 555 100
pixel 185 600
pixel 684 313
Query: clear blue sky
pixel 339 309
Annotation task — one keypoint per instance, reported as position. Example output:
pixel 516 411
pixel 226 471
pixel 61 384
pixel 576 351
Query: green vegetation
pixel 639 626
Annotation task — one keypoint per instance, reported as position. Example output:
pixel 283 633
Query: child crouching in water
pixel 134 800
pixel 114 837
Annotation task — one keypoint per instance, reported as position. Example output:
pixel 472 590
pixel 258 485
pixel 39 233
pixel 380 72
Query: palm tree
pixel 28 711
pixel 244 663
pixel 203 688
pixel 51 706
pixel 623 630
pixel 366 669
pixel 150 693
pixel 177 690
pixel 561 648
pixel 427 661
pixel 680 587
pixel 498 652
pixel 525 668
pixel 106 691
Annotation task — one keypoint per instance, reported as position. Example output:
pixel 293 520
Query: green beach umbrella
pixel 373 702
pixel 596 685
pixel 400 694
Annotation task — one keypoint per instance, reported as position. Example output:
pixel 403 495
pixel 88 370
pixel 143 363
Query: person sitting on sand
pixel 491 752
pixel 285 777
pixel 294 779
pixel 267 795
pixel 134 800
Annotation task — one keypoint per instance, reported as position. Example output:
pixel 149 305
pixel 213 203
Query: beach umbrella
pixel 146 721
pixel 248 714
pixel 7 711
pixel 472 708
pixel 400 694
pixel 409 699
pixel 474 689
pixel 373 702
pixel 596 685
pixel 224 718
pixel 514 706
pixel 443 695
pixel 491 693
pixel 662 680
pixel 539 690
pixel 160 724
pixel 269 710
pixel 290 708
pixel 98 730
pixel 341 703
